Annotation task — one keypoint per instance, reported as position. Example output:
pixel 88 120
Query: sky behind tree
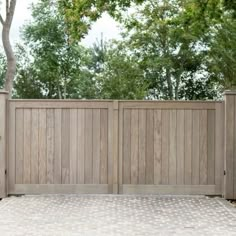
pixel 106 25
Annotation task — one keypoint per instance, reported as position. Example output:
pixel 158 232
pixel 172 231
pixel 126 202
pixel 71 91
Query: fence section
pixel 60 147
pixel 171 147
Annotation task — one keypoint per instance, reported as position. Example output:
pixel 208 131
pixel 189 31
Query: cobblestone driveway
pixel 116 215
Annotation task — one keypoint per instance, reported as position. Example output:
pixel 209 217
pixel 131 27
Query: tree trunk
pixel 11 60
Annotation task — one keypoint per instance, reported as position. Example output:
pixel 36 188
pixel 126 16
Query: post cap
pixel 230 92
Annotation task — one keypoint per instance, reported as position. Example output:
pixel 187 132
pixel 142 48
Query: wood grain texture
pixel 142 147
pixel 203 147
pixel 65 148
pixel 134 146
pixel 57 178
pixel 73 146
pixel 81 145
pixel 196 148
pixel 180 147
pixel 42 146
pixel 173 149
pixel 188 147
pixel 88 168
pixel 50 146
pixel 150 148
pixel 127 145
pixel 35 147
pixel 27 147
pixel 157 147
pixel 104 147
pixel 165 146
pixel 19 146
pixel 211 147
pixel 96 145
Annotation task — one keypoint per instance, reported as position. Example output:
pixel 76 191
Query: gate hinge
pixel 224 172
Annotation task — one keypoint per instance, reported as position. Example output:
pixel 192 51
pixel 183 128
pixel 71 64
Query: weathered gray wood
pixel 96 146
pixel 180 147
pixel 60 189
pixel 34 146
pixel 203 147
pixel 134 146
pixel 171 189
pixel 81 145
pixel 157 146
pixel 229 145
pixel 142 147
pixel 173 149
pixel 57 147
pixel 65 148
pixel 42 146
pixel 150 148
pixel 165 147
pixel 188 147
pixel 104 147
pixel 27 146
pixel 73 146
pixel 196 147
pixel 50 146
pixel 88 168
pixel 19 158
pixel 3 142
pixel 127 145
pixel 211 147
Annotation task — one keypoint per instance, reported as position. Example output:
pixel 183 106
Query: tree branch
pixel 1 20
pixel 7 6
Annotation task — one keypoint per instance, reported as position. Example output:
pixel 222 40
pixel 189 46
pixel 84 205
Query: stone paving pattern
pixel 110 215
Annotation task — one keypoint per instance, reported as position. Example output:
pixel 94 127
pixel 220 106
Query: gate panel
pixel 60 147
pixel 171 147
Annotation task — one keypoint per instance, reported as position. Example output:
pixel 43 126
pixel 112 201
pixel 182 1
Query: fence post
pixel 3 110
pixel 230 145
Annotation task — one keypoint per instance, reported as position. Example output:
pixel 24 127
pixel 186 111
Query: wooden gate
pixel 60 147
pixel 171 147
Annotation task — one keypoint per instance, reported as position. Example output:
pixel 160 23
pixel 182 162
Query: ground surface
pixel 116 215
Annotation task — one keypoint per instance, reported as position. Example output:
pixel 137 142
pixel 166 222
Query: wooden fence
pixel 129 147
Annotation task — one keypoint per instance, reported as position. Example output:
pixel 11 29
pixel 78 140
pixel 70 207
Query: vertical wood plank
pixel 180 147
pixel 35 147
pixel 165 146
pixel 211 147
pixel 19 145
pixel 50 145
pixel 42 146
pixel 157 147
pixel 142 147
pixel 73 145
pixel 104 147
pixel 196 148
pixel 203 147
pixel 27 146
pixel 65 148
pixel 150 148
pixel 88 146
pixel 219 146
pixel 126 148
pixel 234 157
pixel 188 147
pixel 81 145
pixel 134 146
pixel 173 149
pixel 57 147
pixel 96 146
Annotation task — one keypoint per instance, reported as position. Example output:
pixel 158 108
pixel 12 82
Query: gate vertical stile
pixel 3 132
